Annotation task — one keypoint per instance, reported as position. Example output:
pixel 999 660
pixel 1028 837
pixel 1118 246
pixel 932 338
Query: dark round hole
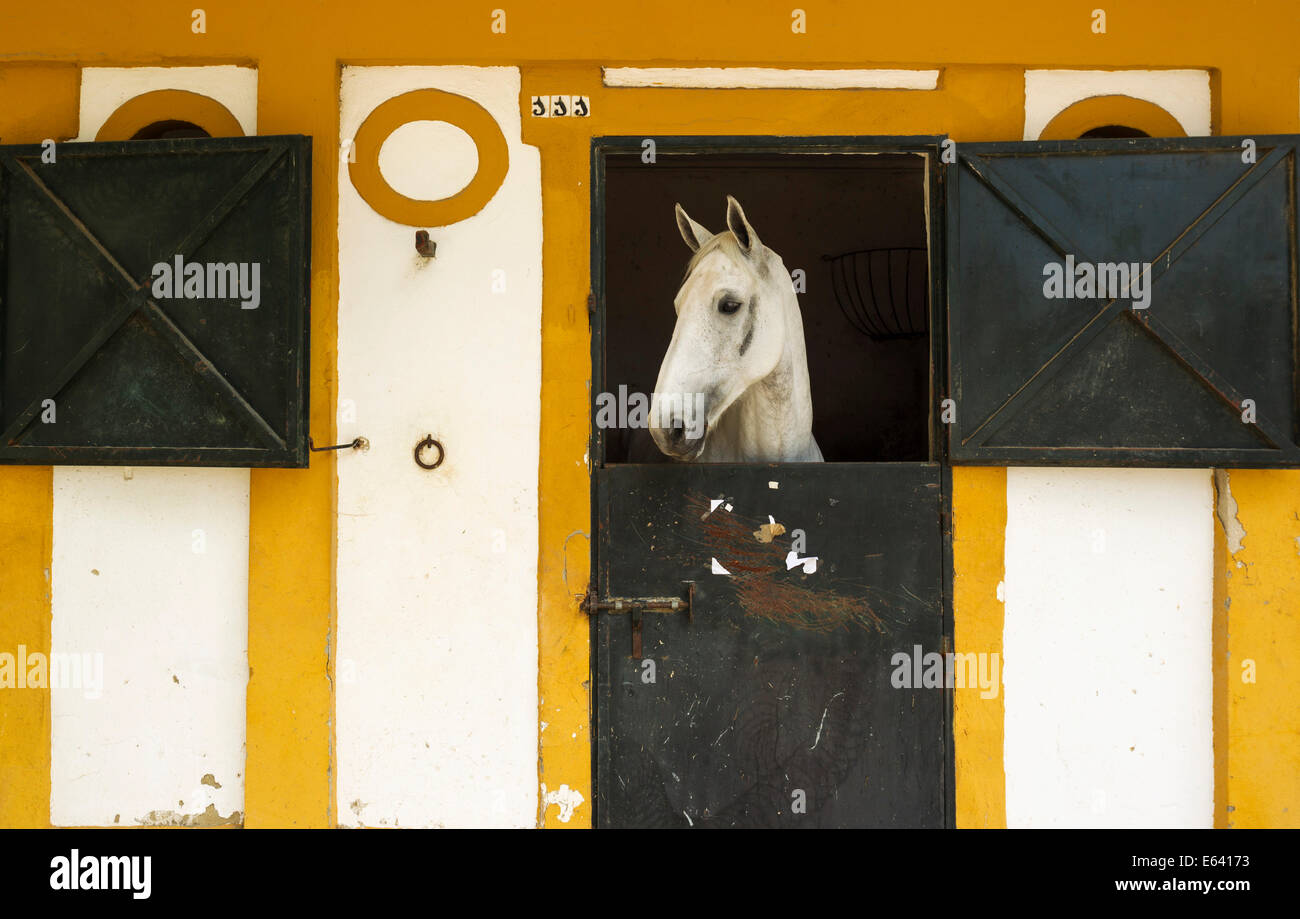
pixel 169 130
pixel 1114 130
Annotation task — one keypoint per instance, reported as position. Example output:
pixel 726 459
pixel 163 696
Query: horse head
pixel 734 310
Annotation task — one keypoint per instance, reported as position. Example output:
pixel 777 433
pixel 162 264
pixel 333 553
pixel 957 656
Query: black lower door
pixel 785 693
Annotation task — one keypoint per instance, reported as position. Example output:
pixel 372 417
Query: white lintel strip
pixel 767 78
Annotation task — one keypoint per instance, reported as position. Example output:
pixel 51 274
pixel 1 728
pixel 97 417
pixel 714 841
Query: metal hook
pixel 359 443
pixel 420 447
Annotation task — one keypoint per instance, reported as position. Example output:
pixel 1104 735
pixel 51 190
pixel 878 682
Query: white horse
pixel 733 386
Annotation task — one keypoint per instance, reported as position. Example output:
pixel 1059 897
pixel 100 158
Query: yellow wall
pixel 299 46
pixel 979 504
pixel 1259 598
pixel 36 101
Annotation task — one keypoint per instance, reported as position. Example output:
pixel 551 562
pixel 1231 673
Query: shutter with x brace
pixel 100 365
pixel 1202 373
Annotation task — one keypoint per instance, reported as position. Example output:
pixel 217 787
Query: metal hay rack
pixel 883 293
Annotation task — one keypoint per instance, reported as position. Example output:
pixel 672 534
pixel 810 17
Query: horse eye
pixel 728 306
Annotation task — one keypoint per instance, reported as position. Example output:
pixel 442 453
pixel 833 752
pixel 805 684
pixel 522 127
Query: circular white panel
pixel 428 160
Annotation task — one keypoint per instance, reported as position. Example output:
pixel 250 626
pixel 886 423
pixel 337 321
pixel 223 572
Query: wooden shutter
pixel 95 366
pixel 1039 380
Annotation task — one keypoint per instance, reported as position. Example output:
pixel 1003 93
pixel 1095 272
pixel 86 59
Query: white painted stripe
pixel 1184 94
pixel 437 570
pixel 151 572
pixel 1109 581
pixel 767 78
pixel 150 579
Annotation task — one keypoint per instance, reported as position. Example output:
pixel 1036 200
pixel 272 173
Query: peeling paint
pixel 565 798
pixel 761 594
pixel 1226 506
pixel 209 817
pixel 768 531
pixel 210 779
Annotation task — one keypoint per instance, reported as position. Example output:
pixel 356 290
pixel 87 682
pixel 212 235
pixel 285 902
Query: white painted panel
pixel 150 577
pixel 437 571
pixel 768 78
pixel 104 89
pixel 151 572
pixel 1184 94
pixel 404 155
pixel 1109 579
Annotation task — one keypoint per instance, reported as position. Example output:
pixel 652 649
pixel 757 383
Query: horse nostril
pixel 678 430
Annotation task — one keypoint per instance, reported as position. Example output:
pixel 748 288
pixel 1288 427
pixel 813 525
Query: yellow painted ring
pixel 429 105
pixel 1099 111
pixel 169 105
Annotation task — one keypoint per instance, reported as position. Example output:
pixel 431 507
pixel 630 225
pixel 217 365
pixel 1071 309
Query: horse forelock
pixel 727 243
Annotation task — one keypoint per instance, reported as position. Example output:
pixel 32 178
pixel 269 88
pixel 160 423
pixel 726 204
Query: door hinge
pixel 591 306
pixel 635 606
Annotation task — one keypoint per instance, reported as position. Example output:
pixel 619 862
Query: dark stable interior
pixel 855 223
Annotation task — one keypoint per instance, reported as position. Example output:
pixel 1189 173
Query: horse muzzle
pixel 676 441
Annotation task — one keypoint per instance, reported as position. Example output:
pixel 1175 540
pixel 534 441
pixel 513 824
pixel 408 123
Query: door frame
pixel 932 148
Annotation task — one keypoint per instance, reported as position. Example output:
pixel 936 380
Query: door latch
pixel 635 606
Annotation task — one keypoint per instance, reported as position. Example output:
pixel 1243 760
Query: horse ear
pixel 739 226
pixel 694 234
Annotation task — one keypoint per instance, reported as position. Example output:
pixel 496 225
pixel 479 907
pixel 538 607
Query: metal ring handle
pixel 420 447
